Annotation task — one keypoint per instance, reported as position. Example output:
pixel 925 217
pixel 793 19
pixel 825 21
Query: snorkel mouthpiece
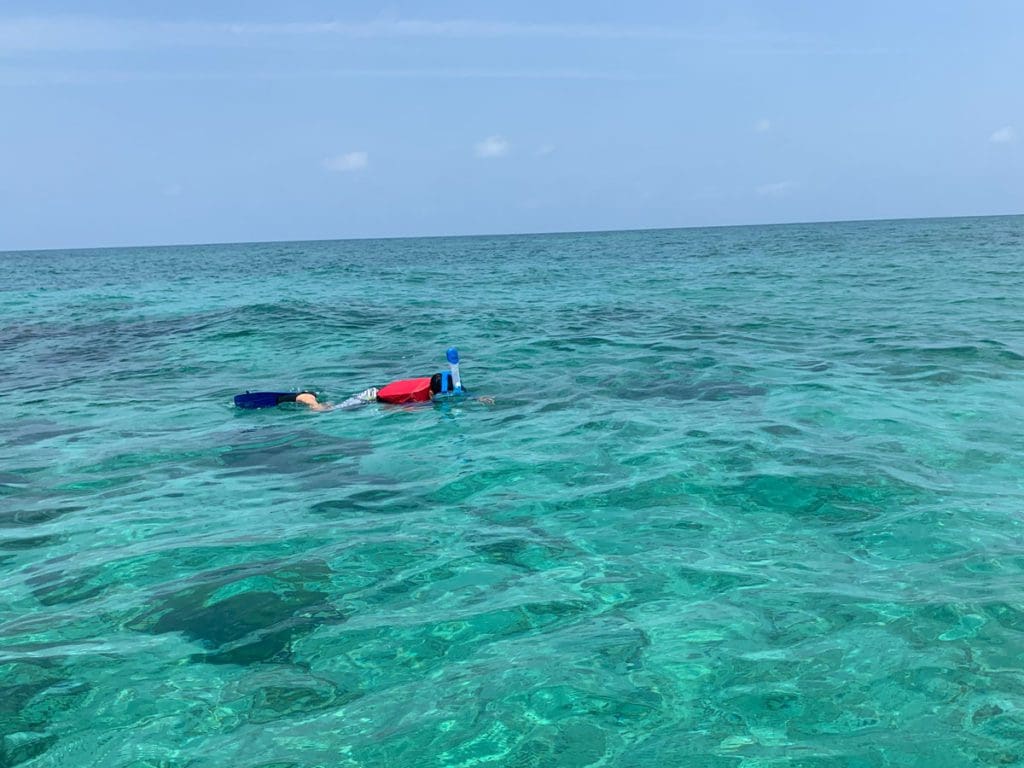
pixel 453 365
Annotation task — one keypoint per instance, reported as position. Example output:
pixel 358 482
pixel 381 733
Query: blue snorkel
pixel 453 366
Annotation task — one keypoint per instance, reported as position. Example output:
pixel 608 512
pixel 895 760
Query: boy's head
pixel 441 381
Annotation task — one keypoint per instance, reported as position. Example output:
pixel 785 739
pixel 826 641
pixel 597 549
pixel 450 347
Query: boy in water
pixel 419 390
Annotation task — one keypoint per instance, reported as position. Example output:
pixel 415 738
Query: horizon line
pixel 7 252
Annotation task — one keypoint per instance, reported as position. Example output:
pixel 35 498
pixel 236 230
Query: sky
pixel 133 123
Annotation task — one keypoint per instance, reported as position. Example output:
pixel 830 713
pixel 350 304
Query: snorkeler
pixel 420 390
pixel 402 392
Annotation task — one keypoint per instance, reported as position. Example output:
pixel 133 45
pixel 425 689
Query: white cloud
pixel 763 125
pixel 545 149
pixel 1004 135
pixel 776 189
pixel 350 161
pixel 173 190
pixel 69 32
pixel 492 146
pixel 37 77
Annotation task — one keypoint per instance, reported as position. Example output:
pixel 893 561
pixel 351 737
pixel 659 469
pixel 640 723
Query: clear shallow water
pixel 747 497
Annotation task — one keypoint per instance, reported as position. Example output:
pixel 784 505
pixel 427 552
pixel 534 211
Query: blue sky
pixel 143 123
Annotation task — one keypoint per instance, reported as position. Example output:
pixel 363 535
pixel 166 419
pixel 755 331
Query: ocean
pixel 745 497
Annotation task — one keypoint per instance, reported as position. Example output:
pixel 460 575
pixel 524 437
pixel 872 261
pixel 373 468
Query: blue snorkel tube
pixel 453 366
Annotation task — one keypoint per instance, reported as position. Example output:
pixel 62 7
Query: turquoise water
pixel 746 497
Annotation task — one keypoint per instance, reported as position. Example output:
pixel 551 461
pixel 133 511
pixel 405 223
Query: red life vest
pixel 405 391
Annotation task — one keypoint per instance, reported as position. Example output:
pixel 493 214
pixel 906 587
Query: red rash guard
pixel 405 391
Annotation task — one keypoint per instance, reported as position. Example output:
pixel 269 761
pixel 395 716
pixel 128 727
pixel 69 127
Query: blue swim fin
pixel 264 399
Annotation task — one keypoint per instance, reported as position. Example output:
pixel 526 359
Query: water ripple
pixel 746 496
